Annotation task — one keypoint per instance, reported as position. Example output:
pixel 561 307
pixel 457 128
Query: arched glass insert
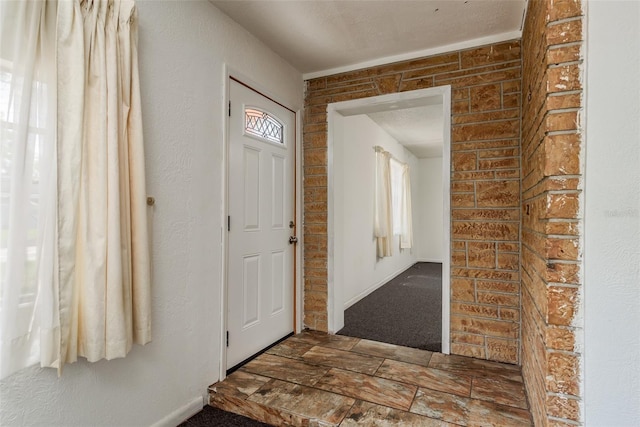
pixel 261 124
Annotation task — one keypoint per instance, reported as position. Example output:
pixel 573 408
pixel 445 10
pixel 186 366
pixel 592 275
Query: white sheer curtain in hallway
pixel 406 217
pixel 401 201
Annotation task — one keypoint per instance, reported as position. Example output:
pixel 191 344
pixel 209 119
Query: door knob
pixel 292 240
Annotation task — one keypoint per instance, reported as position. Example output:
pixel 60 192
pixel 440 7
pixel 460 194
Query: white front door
pixel 261 214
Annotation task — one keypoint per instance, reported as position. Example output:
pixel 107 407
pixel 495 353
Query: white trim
pixel 436 261
pixel 496 38
pixel 181 414
pixel 375 286
pixel 581 337
pixel 223 226
pixel 298 273
pixel 335 315
pixel 335 310
pixel 299 249
pixel 446 216
pixel 524 16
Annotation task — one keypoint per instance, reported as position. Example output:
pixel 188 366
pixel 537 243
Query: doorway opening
pixel 414 127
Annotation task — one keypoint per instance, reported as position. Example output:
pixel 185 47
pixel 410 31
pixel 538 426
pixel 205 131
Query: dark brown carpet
pixel 405 311
pixel 210 416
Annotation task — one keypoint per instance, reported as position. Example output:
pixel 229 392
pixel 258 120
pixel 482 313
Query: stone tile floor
pixel 315 379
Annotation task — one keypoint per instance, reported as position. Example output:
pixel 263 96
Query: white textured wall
pixel 354 173
pixel 183 46
pixel 612 215
pixel 429 201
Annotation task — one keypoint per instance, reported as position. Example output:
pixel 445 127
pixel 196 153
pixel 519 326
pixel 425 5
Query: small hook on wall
pixel 151 200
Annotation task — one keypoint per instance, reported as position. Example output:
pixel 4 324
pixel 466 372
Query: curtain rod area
pixel 379 149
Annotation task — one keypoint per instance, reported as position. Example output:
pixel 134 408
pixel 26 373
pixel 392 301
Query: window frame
pixel 270 117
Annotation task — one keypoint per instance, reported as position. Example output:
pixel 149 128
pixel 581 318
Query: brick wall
pixel 552 42
pixel 485 188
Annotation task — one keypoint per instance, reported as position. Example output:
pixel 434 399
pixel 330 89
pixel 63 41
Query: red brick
pixel 502 350
pixel 498 193
pixel 482 254
pixel 508 51
pixel 495 328
pixel 468 350
pixel 486 97
pixel 475 310
pixel 462 290
pixel 464 161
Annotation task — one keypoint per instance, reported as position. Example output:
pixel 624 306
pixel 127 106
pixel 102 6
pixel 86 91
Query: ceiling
pixel 415 122
pixel 419 129
pixel 323 37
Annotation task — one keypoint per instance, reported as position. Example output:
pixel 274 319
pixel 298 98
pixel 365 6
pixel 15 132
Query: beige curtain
pixel 104 263
pixel 406 219
pixel 383 226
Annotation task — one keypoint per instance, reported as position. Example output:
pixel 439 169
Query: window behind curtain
pixel 31 163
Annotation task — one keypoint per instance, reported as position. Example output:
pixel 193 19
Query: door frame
pixel 335 301
pixel 229 75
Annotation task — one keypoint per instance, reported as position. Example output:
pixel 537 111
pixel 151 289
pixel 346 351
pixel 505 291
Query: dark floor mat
pixel 405 311
pixel 210 416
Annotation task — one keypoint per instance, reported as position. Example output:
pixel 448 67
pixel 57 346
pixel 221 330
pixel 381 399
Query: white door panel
pixel 261 206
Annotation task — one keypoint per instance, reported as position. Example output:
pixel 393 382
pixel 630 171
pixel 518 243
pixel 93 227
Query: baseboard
pixel 437 261
pixel 375 286
pixel 182 413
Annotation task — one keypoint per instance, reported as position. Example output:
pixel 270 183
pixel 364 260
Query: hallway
pixel 315 379
pixel 406 311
